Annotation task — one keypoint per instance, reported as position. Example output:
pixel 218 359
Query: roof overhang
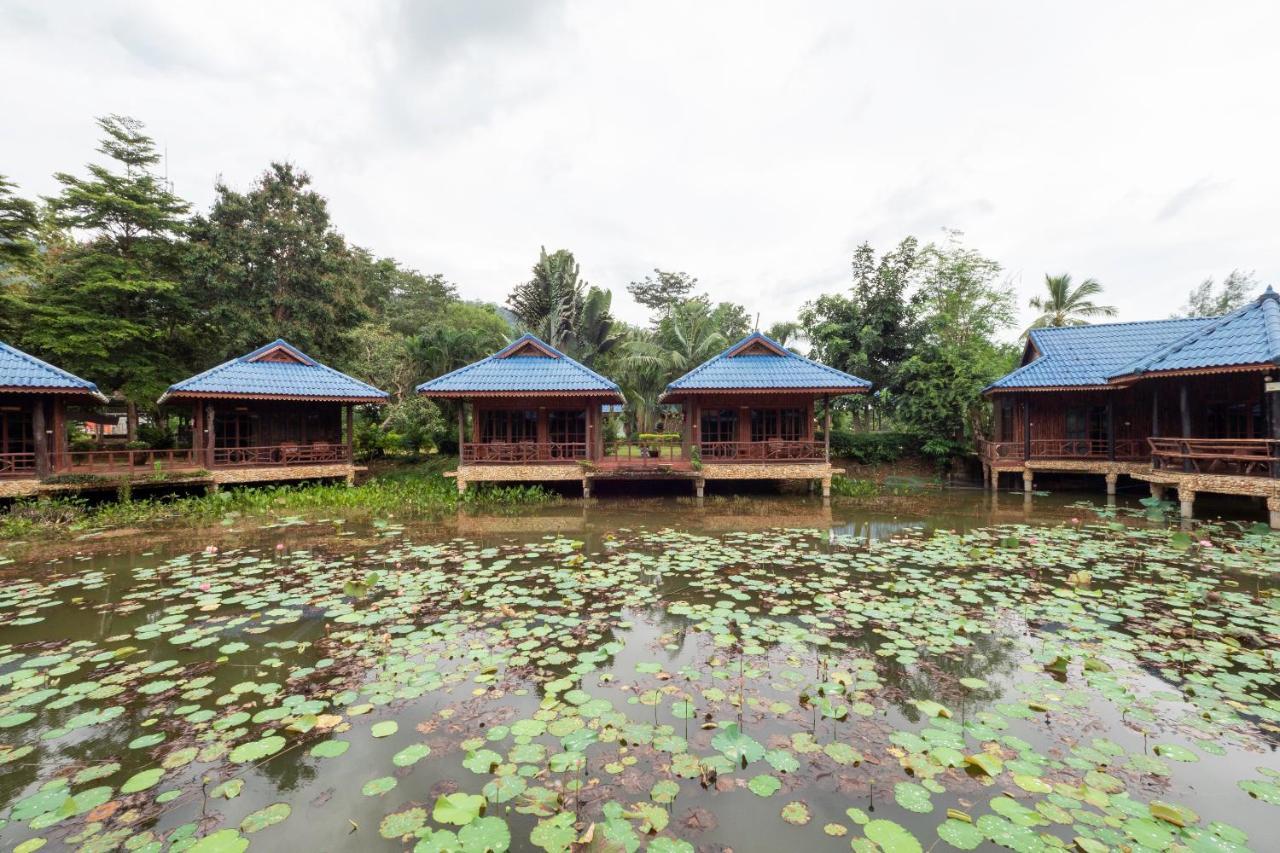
pixel 678 393
pixel 546 395
pixel 297 398
pixel 1033 389
pixel 1131 378
pixel 97 396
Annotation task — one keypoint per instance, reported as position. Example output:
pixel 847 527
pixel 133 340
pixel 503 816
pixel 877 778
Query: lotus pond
pixel 655 677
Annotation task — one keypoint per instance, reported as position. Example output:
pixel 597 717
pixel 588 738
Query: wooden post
pixel 351 434
pixel 197 431
pixel 41 440
pixel 1271 394
pixel 826 433
pixel 1111 430
pixel 59 459
pixel 209 435
pixel 1155 413
pixel 1185 409
pixel 462 426
pixel 1026 428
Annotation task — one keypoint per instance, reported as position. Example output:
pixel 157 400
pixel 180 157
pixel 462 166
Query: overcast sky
pixel 751 145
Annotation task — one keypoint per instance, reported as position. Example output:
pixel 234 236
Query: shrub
pixel 869 448
pixel 136 445
pixel 659 436
pixel 82 442
pixel 846 488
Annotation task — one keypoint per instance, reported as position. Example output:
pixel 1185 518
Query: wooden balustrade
pixel 113 461
pixel 644 455
pixel 1061 448
pixel 523 452
pixel 280 454
pixel 14 465
pixel 1245 457
pixel 763 451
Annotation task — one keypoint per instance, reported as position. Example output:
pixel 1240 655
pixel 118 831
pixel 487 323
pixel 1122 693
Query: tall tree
pixel 662 290
pixel 873 329
pixel 1206 300
pixel 548 304
pixel 595 332
pixel 1064 305
pixel 114 308
pixel 271 265
pixel 19 225
pixel 965 304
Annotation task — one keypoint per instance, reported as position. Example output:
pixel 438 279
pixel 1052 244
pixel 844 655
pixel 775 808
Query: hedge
pixel 868 448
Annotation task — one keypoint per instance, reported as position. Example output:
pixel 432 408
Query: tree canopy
pixel 1065 305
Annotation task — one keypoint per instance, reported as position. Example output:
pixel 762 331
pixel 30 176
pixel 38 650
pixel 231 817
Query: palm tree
pixel 685 338
pixel 594 333
pixel 784 331
pixel 1066 305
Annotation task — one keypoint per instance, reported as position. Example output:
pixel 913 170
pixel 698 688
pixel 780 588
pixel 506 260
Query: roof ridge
pixel 1139 365
pixel 1082 326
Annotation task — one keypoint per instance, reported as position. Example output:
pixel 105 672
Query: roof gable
pixel 528 366
pixel 1250 335
pixel 277 370
pixel 759 363
pixel 24 372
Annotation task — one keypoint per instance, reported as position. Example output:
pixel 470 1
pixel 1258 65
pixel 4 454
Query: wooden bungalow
pixel 274 413
pixel 1192 404
pixel 535 415
pixel 34 396
pixel 749 412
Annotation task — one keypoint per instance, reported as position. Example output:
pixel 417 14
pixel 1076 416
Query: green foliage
pixel 870 448
pixel 846 488
pixel 870 332
pixel 114 307
pixel 269 264
pixel 964 305
pixel 1064 305
pixel 419 489
pixel 1211 300
pixel 548 304
pixel 662 290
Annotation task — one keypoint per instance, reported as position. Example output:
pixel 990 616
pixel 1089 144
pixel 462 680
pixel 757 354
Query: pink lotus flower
pixel 204 587
pixel 211 549
pixel 1205 543
pixel 279 546
pixel 1075 521
pixel 1032 541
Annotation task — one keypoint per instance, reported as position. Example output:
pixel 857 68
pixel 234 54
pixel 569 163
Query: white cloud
pixel 751 145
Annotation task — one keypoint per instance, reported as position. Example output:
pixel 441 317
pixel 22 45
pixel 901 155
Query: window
pixel 567 427
pixel 1087 423
pixel 512 425
pixel 719 425
pixel 234 429
pixel 774 424
pixel 1235 420
pixel 15 433
pixel 1006 420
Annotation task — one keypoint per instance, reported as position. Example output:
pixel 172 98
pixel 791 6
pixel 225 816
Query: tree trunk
pixel 132 420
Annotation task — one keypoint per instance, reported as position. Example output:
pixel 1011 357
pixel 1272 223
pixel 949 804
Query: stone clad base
pixel 18 488
pixel 221 477
pixel 284 473
pixel 811 471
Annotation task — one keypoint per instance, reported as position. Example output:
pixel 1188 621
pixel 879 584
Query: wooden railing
pixel 520 452
pixel 281 454
pixel 1061 448
pixel 112 461
pixel 14 465
pixel 1245 457
pixel 763 451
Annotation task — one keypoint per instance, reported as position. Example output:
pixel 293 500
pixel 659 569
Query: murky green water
pixel 947 671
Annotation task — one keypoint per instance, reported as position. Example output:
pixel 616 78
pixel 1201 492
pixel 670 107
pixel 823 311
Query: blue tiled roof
pixel 1249 335
pixel 255 375
pixel 1089 355
pixel 20 370
pixel 761 371
pixel 527 365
